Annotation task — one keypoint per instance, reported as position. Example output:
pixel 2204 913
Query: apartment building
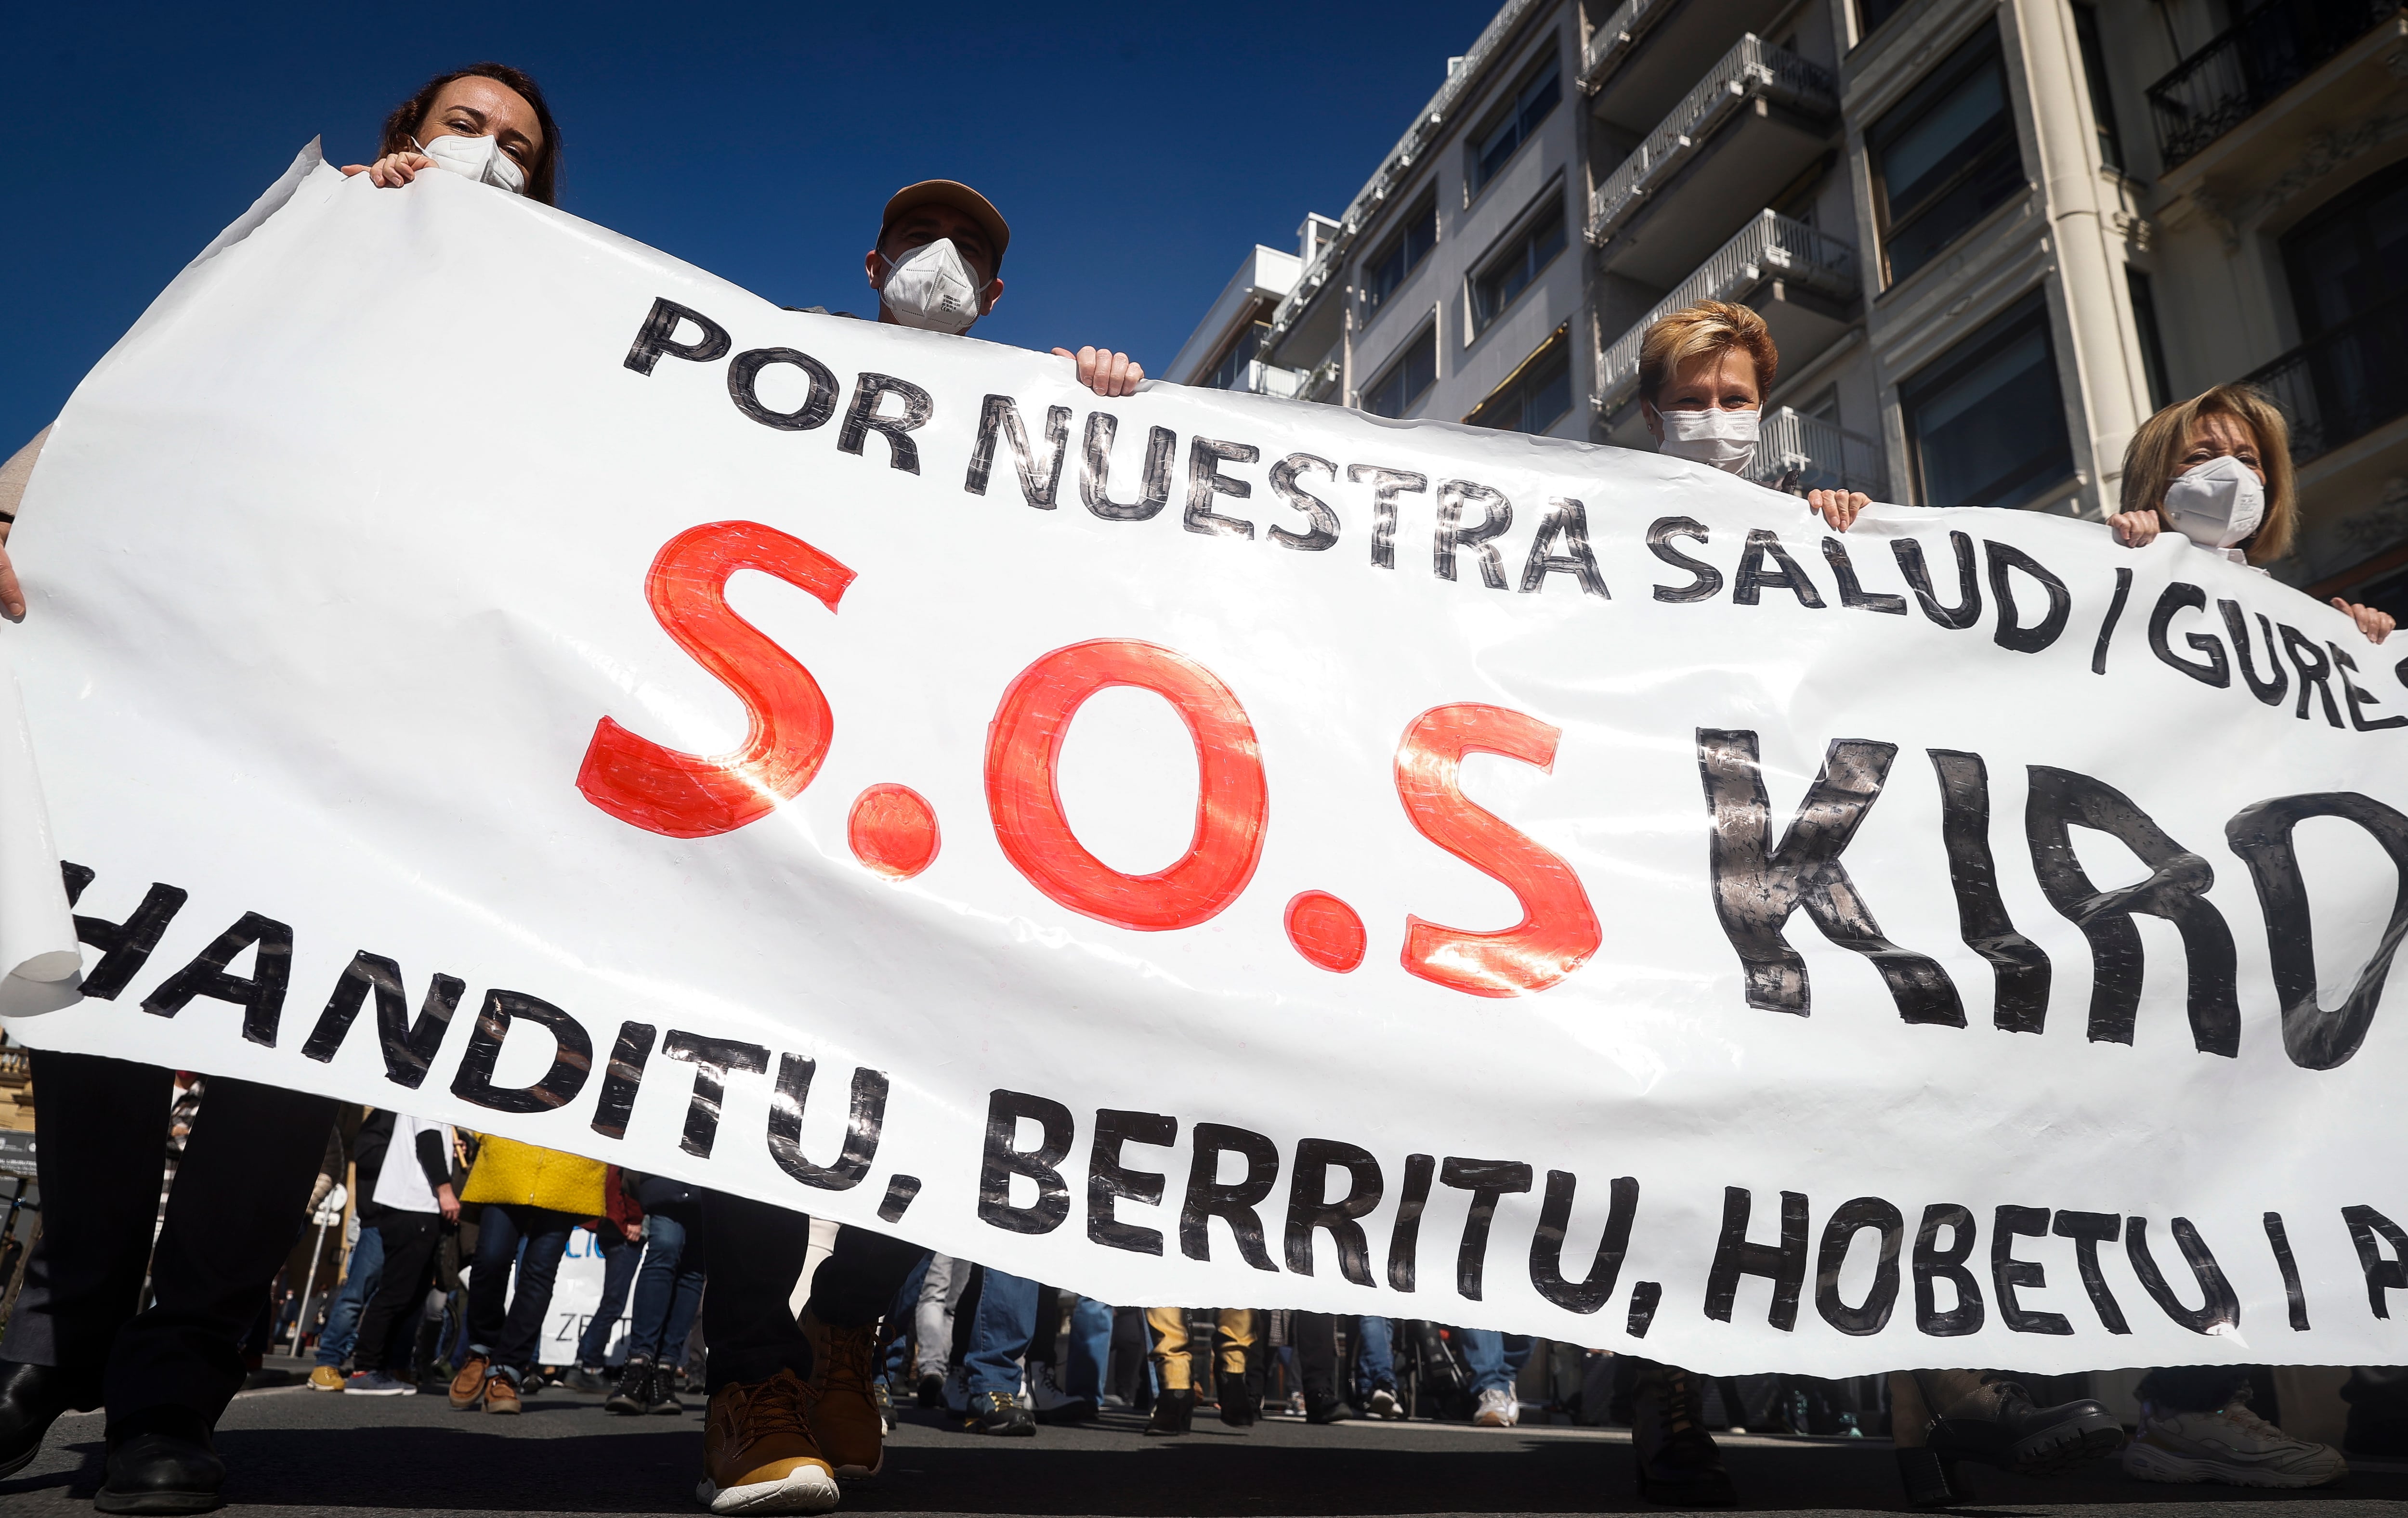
pixel 1990 237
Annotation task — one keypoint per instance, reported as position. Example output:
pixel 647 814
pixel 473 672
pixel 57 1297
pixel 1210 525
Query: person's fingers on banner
pixel 12 596
pixel 1838 507
pixel 393 170
pixel 2376 624
pixel 1105 372
pixel 2135 529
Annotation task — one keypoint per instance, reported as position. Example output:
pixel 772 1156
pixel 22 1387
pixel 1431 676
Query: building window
pixel 1492 152
pixel 1536 395
pixel 1945 156
pixel 2093 71
pixel 1230 373
pixel 2153 345
pixel 2348 264
pixel 2351 256
pixel 1872 13
pixel 1403 254
pixel 1407 380
pixel 1526 253
pixel 1985 423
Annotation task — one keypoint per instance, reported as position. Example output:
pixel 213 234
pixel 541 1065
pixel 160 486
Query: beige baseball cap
pixel 957 194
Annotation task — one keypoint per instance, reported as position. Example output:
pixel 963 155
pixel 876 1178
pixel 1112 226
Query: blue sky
pixel 1136 153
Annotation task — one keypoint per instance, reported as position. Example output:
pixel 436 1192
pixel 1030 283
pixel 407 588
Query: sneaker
pixel 1332 1410
pixel 1000 1412
pixel 586 1378
pixel 2233 1446
pixel 661 1398
pixel 376 1384
pixel 757 1450
pixel 1678 1463
pixel 1051 1403
pixel 1497 1409
pixel 468 1386
pixel 845 1420
pixel 932 1393
pixel 326 1378
pixel 1385 1403
pixel 633 1395
pixel 502 1394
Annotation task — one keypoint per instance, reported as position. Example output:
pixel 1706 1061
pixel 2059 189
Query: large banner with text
pixel 1195 848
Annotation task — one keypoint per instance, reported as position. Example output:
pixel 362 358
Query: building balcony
pixel 1801 281
pixel 1754 121
pixel 1647 53
pixel 1260 378
pixel 2342 385
pixel 1799 453
pixel 2237 74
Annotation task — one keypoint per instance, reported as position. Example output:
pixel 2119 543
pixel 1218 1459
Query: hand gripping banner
pixel 1202 849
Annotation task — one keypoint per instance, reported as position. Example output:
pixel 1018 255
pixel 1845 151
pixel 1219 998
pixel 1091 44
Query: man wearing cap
pixel 792 1404
pixel 936 268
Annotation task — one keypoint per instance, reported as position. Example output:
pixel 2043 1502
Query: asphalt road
pixel 294 1452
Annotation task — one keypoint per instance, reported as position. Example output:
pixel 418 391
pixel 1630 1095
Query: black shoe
pixel 1000 1412
pixel 1174 1412
pixel 584 1379
pixel 1238 1408
pixel 1995 1424
pixel 661 1393
pixel 32 1397
pixel 634 1393
pixel 1331 1409
pixel 931 1396
pixel 161 1462
pixel 1678 1463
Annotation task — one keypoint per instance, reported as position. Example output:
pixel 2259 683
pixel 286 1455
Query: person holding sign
pixel 1703 374
pixel 75 1339
pixel 2216 469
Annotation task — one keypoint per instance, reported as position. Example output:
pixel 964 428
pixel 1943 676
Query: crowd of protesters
pixel 461 1236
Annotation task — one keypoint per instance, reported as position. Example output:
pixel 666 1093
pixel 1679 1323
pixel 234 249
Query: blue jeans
pixel 505 1324
pixel 999 1334
pixel 351 1297
pixel 620 1257
pixel 670 1286
pixel 1494 1358
pixel 1375 1357
pixel 1091 1348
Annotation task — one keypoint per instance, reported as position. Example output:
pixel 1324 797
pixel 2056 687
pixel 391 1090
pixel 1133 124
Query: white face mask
pixel 480 159
pixel 2216 503
pixel 1725 440
pixel 931 288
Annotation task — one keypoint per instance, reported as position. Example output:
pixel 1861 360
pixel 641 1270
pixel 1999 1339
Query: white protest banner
pixel 1200 849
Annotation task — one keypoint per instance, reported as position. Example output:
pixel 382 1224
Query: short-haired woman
pixel 1703 373
pixel 75 1339
pixel 2216 469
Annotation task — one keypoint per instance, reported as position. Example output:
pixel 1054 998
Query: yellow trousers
pixel 1233 1335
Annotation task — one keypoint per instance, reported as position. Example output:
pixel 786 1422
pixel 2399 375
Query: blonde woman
pixel 2216 469
pixel 1703 374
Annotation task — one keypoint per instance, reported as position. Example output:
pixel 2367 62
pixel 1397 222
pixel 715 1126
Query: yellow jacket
pixel 509 1171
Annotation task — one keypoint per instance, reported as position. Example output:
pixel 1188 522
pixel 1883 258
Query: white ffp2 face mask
pixel 480 159
pixel 1725 440
pixel 932 288
pixel 2218 504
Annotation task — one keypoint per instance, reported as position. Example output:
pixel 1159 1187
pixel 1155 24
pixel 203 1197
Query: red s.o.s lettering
pixel 1558 930
pixel 687 795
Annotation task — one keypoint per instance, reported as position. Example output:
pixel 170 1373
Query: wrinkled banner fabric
pixel 1199 849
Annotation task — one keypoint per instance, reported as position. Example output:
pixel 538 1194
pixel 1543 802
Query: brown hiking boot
pixel 468 1386
pixel 501 1394
pixel 757 1450
pixel 845 1419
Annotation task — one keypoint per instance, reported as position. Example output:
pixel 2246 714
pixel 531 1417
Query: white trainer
pixel 1497 1410
pixel 2233 1446
pixel 1385 1403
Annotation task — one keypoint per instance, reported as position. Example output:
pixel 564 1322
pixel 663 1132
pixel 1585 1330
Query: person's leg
pixel 859 1280
pixel 1316 1362
pixel 547 1241
pixel 1234 1338
pixel 391 1319
pixel 2196 1425
pixel 1091 1349
pixel 360 1277
pixel 999 1335
pixel 1375 1366
pixel 621 1255
pixel 2192 1388
pixel 1172 1358
pixel 499 1230
pixel 1677 1462
pixel 1989 1418
pixel 757 1440
pixel 655 1284
pixel 932 1323
pixel 1483 1355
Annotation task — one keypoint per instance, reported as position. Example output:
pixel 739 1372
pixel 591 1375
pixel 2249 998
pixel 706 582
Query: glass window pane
pixel 1921 154
pixel 1989 427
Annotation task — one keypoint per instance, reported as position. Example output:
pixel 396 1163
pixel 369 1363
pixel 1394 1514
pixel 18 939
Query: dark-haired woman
pixel 242 1187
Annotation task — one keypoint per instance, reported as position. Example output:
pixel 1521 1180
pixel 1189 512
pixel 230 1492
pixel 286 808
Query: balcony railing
pixel 2341 385
pixel 1611 42
pixel 1393 171
pixel 1752 67
pixel 1771 246
pixel 1799 454
pixel 2268 51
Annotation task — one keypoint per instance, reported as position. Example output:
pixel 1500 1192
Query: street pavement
pixel 294 1452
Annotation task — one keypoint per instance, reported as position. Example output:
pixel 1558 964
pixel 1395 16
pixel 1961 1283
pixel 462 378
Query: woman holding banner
pixel 75 1339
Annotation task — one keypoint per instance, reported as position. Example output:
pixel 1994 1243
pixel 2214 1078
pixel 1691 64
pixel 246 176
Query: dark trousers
pixel 621 1255
pixel 502 1324
pixel 757 1256
pixel 239 1196
pixel 1316 1354
pixel 668 1289
pixel 389 1327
